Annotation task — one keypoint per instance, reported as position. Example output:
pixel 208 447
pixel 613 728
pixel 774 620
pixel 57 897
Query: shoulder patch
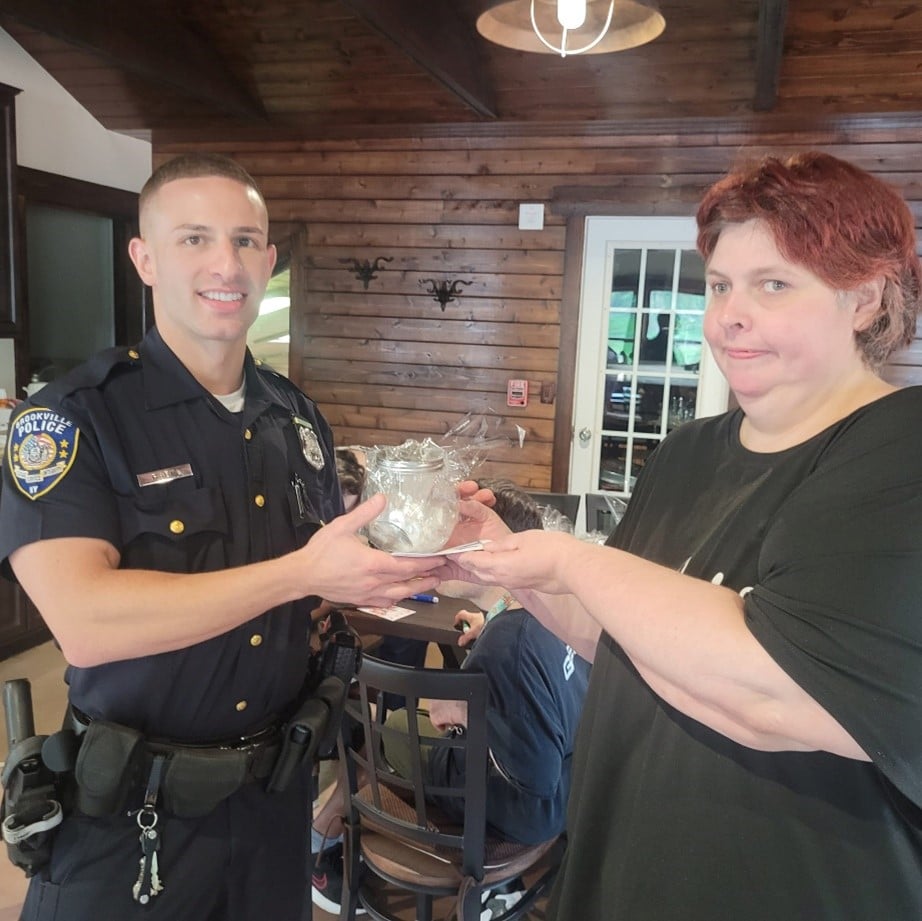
pixel 41 448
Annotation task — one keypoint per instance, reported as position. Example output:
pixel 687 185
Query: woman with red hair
pixel 751 744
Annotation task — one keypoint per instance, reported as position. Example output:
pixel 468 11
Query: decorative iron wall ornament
pixel 365 271
pixel 444 291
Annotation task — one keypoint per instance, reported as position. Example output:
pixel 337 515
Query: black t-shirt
pixel 130 449
pixel 670 821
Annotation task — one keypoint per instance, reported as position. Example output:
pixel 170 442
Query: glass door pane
pixel 642 367
pixel 655 311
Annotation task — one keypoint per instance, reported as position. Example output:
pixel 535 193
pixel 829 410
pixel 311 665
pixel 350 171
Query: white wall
pixel 54 133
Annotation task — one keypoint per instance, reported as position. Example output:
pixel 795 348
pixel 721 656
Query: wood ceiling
pixel 314 68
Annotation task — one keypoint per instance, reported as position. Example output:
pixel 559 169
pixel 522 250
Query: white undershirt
pixel 233 402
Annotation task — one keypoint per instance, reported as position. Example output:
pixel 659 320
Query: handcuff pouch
pixel 108 768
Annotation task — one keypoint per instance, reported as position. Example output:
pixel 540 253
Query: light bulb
pixel 571 14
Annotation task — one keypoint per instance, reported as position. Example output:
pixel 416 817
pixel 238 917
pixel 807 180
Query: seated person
pixel 351 472
pixel 537 687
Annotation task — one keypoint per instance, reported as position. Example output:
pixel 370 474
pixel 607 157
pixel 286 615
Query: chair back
pixel 392 828
pixel 420 821
pixel 603 512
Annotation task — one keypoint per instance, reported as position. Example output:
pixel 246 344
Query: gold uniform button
pixel 132 353
pixel 247 435
pixel 260 501
pixel 241 705
pixel 177 527
pixel 256 640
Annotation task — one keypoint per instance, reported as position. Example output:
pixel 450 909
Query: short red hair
pixel 841 223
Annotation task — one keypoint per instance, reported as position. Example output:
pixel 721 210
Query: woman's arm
pixel 685 636
pixel 566 617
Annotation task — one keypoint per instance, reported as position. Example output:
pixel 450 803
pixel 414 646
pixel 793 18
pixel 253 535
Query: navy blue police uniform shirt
pixel 130 449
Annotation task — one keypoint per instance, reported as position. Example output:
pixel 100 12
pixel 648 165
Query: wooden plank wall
pixel 387 362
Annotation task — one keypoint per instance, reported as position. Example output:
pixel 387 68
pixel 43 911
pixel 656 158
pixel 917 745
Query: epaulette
pixel 263 368
pixel 281 382
pixel 93 372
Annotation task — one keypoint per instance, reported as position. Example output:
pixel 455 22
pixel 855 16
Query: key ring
pixel 147 811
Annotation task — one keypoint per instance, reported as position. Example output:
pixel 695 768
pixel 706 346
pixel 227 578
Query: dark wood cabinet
pixel 21 626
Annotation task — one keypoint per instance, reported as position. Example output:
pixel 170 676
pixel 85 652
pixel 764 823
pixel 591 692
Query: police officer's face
pixel 204 251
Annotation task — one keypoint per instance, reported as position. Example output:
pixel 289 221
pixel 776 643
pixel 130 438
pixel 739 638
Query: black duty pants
pixel 249 860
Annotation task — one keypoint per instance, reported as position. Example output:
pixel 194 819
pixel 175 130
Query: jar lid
pixel 407 464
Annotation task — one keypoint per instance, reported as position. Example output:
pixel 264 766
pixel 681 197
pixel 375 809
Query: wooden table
pixel 433 623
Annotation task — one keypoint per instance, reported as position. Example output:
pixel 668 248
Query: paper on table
pixel 460 548
pixel 392 613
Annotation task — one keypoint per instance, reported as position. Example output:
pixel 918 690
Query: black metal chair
pixel 567 503
pixel 603 512
pixel 392 831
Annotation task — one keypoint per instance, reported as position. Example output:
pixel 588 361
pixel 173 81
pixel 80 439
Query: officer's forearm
pixel 99 613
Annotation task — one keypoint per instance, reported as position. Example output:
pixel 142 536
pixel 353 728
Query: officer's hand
pixel 338 565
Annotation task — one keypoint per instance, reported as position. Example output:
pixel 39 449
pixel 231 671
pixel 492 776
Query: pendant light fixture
pixel 568 27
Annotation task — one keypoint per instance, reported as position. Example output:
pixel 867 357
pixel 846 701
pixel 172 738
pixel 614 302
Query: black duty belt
pixel 114 762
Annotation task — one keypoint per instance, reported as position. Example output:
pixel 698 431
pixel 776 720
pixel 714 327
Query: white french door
pixel 643 367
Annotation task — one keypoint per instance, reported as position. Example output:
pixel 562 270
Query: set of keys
pixel 148 883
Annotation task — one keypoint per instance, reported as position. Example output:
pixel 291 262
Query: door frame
pixel 674 232
pixel 575 204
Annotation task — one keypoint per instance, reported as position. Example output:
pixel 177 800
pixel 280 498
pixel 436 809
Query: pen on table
pixel 429 599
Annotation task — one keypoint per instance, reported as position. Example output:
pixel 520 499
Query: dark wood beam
pixel 433 35
pixel 139 40
pixel 769 50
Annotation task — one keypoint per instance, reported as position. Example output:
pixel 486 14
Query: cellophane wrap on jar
pixel 422 499
pixel 552 519
pixel 420 480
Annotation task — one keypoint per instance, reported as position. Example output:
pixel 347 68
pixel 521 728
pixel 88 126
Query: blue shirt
pixel 537 685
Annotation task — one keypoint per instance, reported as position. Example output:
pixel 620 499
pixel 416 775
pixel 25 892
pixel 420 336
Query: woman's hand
pixel 469 489
pixel 531 559
pixel 476 518
pixel 477 522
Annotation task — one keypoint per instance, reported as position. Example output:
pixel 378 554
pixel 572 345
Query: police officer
pixel 173 511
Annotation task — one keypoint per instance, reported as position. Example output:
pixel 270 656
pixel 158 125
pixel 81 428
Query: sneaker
pixel 327 881
pixel 496 902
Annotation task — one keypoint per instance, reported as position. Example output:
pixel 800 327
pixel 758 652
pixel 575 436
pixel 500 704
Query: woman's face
pixel 775 329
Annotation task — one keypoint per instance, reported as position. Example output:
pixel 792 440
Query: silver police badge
pixel 310 444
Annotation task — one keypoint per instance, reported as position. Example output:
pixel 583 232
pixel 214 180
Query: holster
pixel 311 730
pixel 31 807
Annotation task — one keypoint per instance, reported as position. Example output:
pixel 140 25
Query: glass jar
pixel 422 504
